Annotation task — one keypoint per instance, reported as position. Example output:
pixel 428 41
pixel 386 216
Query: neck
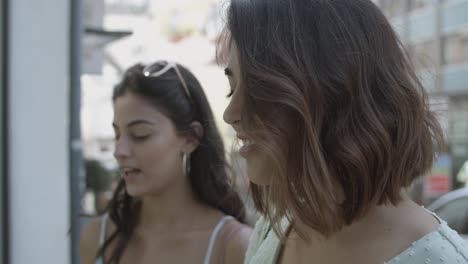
pixel 175 210
pixel 379 220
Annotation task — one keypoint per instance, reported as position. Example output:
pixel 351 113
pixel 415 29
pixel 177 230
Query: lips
pixel 129 174
pixel 247 147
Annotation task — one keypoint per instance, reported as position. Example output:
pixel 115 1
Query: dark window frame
pixel 4 246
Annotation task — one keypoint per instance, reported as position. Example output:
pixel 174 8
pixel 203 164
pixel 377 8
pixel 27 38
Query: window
pixel 458 124
pixel 423 55
pixel 392 8
pixel 455 213
pixel 417 4
pixel 455 48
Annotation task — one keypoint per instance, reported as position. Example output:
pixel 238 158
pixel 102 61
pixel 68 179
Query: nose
pixel 122 149
pixel 232 113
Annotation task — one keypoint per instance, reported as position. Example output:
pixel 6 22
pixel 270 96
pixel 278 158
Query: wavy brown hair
pixel 330 96
pixel 208 174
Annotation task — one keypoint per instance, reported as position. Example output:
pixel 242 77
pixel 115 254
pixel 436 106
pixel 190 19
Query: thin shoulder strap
pixel 441 221
pixel 232 229
pixel 102 236
pixel 213 237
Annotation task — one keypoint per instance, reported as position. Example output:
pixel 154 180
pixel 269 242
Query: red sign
pixel 439 180
pixel 437 185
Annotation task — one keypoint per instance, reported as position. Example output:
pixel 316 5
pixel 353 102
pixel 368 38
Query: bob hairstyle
pixel 330 96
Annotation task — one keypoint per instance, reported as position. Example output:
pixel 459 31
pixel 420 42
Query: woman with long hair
pixel 175 202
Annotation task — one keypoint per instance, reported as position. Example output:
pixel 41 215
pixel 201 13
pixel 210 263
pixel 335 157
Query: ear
pixel 192 139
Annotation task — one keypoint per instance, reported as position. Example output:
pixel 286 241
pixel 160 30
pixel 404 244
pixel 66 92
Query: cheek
pixel 161 162
pixel 159 156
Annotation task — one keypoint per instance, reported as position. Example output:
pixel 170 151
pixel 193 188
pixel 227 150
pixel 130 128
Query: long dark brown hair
pixel 331 97
pixel 209 171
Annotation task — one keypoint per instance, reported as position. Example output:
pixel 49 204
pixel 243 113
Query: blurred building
pixel 436 35
pixel 182 30
pixel 97 134
pixel 170 30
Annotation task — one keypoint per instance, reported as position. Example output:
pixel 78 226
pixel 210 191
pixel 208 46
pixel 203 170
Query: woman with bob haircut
pixel 175 202
pixel 335 126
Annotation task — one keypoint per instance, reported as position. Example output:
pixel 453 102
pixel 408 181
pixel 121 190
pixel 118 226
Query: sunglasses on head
pixel 161 67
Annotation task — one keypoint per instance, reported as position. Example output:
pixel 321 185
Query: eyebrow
pixel 135 122
pixel 228 71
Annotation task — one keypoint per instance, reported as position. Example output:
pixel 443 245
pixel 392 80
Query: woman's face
pixel 258 167
pixel 147 147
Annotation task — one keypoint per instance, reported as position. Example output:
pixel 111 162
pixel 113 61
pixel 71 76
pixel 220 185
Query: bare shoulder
pixel 237 243
pixel 89 240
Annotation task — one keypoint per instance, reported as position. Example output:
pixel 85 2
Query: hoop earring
pixel 186 163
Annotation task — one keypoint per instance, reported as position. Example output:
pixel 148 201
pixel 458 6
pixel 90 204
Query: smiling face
pixel 258 165
pixel 148 148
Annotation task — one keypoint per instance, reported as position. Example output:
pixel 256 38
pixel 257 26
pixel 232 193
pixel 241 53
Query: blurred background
pixel 119 34
pixel 61 58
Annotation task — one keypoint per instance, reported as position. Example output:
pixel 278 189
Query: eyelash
pixel 230 93
pixel 133 137
pixel 140 138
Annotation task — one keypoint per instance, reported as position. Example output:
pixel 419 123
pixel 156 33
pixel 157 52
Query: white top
pixel 442 245
pixel 209 250
pixel 264 246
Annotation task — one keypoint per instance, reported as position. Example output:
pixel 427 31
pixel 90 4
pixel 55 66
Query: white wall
pixel 38 131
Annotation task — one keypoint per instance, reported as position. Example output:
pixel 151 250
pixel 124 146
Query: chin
pixel 259 175
pixel 135 191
